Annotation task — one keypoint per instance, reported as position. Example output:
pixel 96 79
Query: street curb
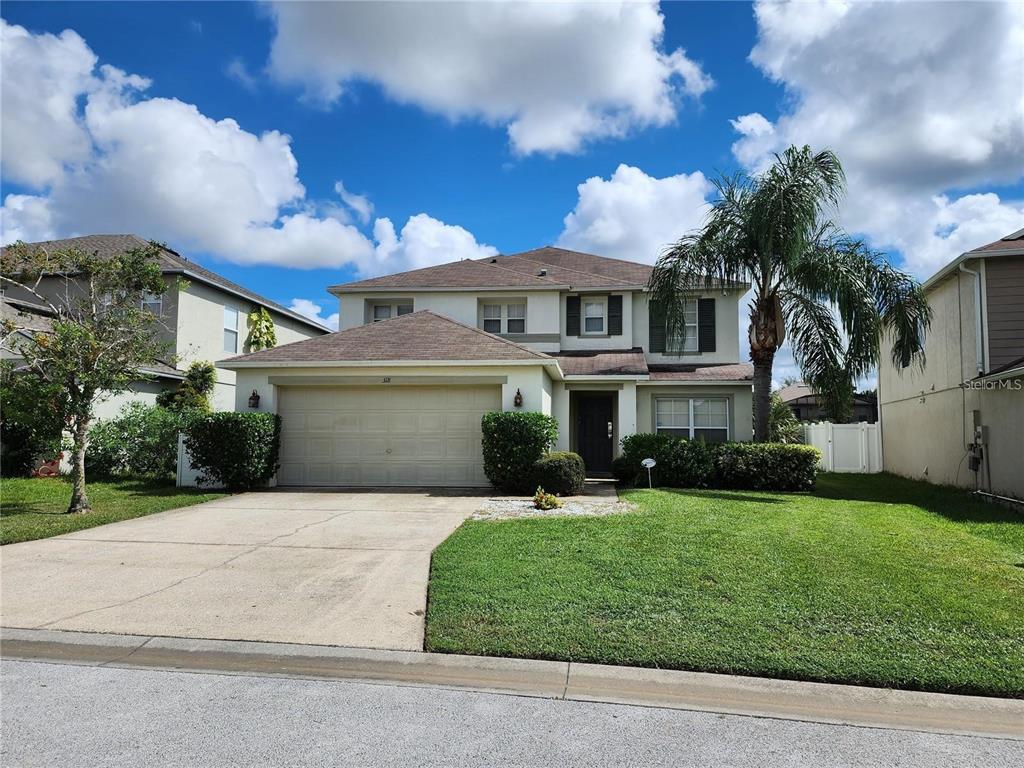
pixel 700 691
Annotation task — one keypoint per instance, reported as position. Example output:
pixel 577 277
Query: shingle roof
pixel 1012 242
pixel 170 261
pixel 421 335
pixel 724 372
pixel 547 268
pixel 794 392
pixel 625 362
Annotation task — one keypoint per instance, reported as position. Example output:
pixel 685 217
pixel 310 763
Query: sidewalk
pixel 792 700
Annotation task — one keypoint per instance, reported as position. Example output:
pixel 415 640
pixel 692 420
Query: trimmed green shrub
pixel 513 441
pixel 30 421
pixel 561 473
pixel 193 394
pixel 766 466
pixel 236 450
pixel 544 500
pixel 695 464
pixel 141 441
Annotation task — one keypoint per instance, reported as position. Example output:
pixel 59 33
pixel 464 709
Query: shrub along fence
pixel 237 451
pixel 518 456
pixel 696 464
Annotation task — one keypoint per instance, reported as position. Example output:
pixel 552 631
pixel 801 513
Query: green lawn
pixel 34 509
pixel 872 579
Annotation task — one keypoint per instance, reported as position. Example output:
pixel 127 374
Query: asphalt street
pixel 66 715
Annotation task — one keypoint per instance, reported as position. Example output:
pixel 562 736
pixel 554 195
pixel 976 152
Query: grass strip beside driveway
pixel 35 508
pixel 872 580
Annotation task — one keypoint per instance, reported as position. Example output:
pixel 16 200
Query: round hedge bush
pixel 561 473
pixel 236 450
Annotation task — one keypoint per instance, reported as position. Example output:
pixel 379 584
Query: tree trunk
pixel 763 360
pixel 79 498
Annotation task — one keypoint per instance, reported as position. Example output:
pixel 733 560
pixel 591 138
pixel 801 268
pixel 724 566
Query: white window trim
pixel 503 318
pixel 157 299
pixel 393 307
pixel 693 338
pixel 603 301
pixel 692 428
pixel 229 329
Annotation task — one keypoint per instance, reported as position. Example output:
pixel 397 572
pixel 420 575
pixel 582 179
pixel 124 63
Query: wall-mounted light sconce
pixel 517 401
pixel 254 399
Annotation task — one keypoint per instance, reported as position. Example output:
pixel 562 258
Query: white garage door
pixel 384 435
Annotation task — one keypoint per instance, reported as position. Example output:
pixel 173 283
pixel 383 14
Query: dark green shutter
pixel 706 325
pixel 572 316
pixel 655 328
pixel 615 315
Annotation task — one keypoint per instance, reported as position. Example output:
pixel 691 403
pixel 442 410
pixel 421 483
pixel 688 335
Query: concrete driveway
pixel 325 567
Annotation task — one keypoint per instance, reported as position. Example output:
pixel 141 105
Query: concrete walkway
pixel 567 681
pixel 326 567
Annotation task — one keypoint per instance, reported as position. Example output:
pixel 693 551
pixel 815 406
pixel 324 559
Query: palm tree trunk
pixel 79 498
pixel 763 359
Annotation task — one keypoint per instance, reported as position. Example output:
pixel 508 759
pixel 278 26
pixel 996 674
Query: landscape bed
pixel 870 579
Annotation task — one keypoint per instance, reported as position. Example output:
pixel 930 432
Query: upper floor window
pixel 595 314
pixel 389 310
pixel 153 302
pixel 231 329
pixel 689 341
pixel 504 318
pixel 694 418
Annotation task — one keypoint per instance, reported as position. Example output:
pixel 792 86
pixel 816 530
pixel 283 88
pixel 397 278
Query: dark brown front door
pixel 594 432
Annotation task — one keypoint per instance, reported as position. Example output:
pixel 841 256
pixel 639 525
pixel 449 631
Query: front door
pixel 594 432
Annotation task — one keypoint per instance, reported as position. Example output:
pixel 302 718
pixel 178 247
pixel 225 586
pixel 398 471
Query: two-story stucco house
pixel 960 419
pixel 395 397
pixel 202 316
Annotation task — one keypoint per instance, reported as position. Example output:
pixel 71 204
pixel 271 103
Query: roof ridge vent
pixel 494 259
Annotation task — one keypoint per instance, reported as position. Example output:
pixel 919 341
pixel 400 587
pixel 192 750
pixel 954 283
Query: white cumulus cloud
pixel 632 215
pixel 101 157
pixel 557 75
pixel 919 100
pixel 314 312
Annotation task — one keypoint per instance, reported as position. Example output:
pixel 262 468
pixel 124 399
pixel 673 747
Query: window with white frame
pixel 689 341
pixel 388 309
pixel 695 418
pixel 231 329
pixel 595 316
pixel 504 318
pixel 153 302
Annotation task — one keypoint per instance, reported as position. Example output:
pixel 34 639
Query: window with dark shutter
pixel 706 325
pixel 572 316
pixel 655 327
pixel 615 315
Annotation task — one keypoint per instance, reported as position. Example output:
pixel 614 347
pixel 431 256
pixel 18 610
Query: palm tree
pixel 833 296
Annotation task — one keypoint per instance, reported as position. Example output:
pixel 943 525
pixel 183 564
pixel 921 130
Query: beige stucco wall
pixel 726 331
pixel 200 333
pixel 927 414
pixel 740 404
pixel 141 392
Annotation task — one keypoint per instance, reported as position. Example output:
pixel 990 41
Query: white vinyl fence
pixel 188 476
pixel 846 447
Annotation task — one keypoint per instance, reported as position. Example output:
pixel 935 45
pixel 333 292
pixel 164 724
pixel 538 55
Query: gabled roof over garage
pixel 418 336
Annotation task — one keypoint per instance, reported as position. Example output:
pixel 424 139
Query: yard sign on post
pixel 649 463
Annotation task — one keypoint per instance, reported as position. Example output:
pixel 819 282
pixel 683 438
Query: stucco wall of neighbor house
pixel 726 330
pixel 141 392
pixel 625 340
pixel 200 328
pixel 529 380
pixel 740 404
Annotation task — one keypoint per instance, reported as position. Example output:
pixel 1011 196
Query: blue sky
pixel 395 138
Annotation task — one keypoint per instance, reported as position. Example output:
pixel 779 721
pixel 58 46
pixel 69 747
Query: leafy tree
pixel 193 394
pixel 834 296
pixel 261 330
pixel 31 421
pixel 101 337
pixel 783 426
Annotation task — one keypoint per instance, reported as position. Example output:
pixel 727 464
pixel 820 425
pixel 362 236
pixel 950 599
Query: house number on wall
pixel 387 380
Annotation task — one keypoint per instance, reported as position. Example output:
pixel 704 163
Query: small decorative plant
pixel 544 500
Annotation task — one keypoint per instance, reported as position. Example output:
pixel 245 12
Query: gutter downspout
pixel 978 337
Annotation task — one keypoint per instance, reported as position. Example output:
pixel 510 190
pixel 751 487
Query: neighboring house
pixel 806 405
pixel 396 395
pixel 960 420
pixel 205 320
